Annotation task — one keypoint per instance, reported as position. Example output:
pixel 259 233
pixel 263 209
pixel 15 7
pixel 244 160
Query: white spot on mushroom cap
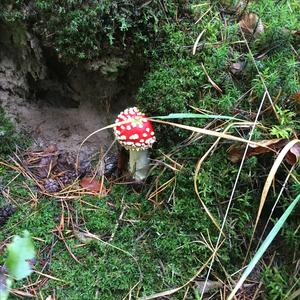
pixel 150 141
pixel 145 134
pixel 128 127
pixel 134 137
pixel 148 129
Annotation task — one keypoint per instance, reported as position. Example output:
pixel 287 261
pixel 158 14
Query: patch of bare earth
pixel 64 126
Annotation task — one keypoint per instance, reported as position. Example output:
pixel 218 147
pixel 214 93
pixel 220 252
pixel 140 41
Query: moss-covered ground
pixel 131 244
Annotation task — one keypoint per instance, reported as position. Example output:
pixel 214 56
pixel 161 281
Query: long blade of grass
pixel 208 132
pixel 194 116
pixel 271 176
pixel 197 170
pixel 262 249
pixel 268 183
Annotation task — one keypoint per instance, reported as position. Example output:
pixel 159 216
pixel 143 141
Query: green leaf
pixel 20 255
pixel 264 246
pixel 5 284
pixel 194 116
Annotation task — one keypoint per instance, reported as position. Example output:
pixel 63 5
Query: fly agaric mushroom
pixel 137 136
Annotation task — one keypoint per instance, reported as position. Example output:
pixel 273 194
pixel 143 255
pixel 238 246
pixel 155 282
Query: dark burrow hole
pixel 68 85
pixel 59 103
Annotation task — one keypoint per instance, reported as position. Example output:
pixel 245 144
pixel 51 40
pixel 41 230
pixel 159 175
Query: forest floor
pixel 224 169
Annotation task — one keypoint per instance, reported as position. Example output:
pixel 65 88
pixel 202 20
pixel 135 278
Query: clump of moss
pixel 80 31
pixel 8 136
pixel 180 77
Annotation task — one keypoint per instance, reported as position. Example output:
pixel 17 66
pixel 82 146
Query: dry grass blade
pixel 210 80
pixel 197 41
pixel 208 132
pixel 161 188
pixel 202 16
pixel 22 294
pixel 190 128
pixel 275 205
pixel 268 183
pixel 49 276
pixel 295 295
pixel 66 245
pixel 96 131
pixel 197 170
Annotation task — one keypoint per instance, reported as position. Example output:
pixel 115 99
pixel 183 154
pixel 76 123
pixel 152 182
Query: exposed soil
pixel 61 104
pixel 64 126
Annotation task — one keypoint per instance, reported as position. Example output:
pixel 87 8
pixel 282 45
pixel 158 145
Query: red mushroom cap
pixel 138 133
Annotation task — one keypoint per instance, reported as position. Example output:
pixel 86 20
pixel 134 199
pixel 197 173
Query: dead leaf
pixel 236 152
pixel 293 155
pixel 238 67
pixel 208 286
pixel 251 24
pixel 93 185
pixel 296 97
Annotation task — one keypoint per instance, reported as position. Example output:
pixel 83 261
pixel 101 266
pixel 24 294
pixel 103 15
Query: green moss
pixel 81 31
pixel 8 136
pixel 278 283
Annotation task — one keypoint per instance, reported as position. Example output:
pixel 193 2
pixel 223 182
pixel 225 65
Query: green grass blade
pixel 194 116
pixel 262 249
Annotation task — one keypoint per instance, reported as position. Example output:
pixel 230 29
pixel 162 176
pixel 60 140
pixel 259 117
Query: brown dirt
pixel 64 126
pixel 56 103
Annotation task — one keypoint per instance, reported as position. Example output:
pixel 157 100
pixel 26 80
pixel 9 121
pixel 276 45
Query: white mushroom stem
pixel 138 164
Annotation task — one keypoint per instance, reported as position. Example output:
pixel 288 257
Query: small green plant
pixel 286 123
pixel 18 264
pixel 276 283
